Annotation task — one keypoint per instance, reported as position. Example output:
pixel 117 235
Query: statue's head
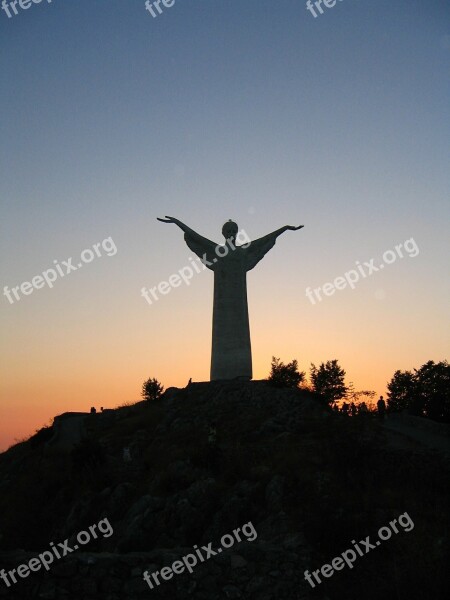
pixel 230 230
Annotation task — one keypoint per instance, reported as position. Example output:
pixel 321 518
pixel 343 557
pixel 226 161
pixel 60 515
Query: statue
pixel 231 356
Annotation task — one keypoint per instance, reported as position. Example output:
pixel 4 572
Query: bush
pixel 283 375
pixel 41 436
pixel 152 389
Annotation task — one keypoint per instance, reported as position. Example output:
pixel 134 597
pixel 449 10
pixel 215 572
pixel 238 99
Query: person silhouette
pixel 381 405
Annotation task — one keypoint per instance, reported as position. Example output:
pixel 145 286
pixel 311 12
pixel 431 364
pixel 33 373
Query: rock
pixel 237 561
pixel 133 537
pixel 274 493
pixel 136 588
pixel 111 585
pixel 89 587
pixel 171 393
pixel 232 592
pixel 119 500
pixel 182 473
pixel 202 494
pixel 139 507
pixel 65 569
pixel 258 583
pixel 47 591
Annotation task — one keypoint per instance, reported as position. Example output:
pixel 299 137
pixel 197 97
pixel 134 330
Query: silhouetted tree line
pixel 424 392
pixel 328 380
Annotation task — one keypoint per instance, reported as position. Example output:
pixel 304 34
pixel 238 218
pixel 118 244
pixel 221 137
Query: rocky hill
pixel 171 477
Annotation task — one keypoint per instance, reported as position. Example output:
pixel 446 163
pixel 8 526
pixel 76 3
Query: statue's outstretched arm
pixel 259 248
pixel 190 232
pixel 273 236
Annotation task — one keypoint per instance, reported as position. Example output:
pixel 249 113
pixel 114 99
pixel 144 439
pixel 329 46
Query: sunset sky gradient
pixel 252 111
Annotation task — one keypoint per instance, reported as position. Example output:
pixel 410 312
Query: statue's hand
pixel 169 220
pixel 293 228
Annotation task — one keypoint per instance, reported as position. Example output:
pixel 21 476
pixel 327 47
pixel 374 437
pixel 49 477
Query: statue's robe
pixel 231 355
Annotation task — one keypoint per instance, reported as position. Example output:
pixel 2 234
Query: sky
pixel 252 110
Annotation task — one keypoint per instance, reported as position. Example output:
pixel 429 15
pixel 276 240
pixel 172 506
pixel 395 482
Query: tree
pixel 433 390
pixel 328 380
pixel 424 392
pixel 283 375
pixel 401 391
pixel 152 389
pixel 354 396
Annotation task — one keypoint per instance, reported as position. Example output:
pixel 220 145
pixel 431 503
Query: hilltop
pixel 205 460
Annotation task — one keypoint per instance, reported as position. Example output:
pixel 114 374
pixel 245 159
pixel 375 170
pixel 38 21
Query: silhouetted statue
pixel 231 355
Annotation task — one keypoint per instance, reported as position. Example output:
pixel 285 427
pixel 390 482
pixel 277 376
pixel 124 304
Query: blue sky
pixel 251 110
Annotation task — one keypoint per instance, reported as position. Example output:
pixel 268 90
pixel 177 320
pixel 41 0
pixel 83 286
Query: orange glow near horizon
pixel 106 368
